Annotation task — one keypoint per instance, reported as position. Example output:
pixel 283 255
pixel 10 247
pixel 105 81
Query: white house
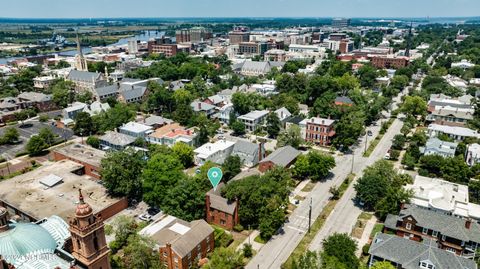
pixel 215 152
pixel 135 129
pixel 473 154
pixel 456 133
pixel 254 119
pixel 443 196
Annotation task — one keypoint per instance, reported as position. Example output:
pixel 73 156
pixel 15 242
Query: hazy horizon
pixel 69 9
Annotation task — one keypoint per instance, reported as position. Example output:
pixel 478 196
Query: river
pixel 145 36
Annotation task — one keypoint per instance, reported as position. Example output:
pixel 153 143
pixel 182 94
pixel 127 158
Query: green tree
pixel 399 141
pixel 140 253
pixel 10 136
pixel 342 247
pixel 62 92
pixel 349 128
pixel 231 167
pixel 84 125
pixel 273 125
pixel 47 135
pixel 36 145
pixel 414 106
pixel 93 141
pixel 114 117
pixel 291 137
pixel 185 200
pixel 225 258
pixel 238 127
pixel 380 188
pixel 320 164
pixel 184 153
pixel 242 103
pixel 121 173
pixel 161 173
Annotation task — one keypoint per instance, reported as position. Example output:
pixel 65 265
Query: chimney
pixel 199 105
pixel 468 223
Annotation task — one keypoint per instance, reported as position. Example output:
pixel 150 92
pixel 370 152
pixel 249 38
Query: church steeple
pixel 3 219
pixel 88 237
pixel 81 62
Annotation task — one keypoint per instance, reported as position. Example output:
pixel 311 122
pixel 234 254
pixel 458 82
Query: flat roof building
pixel 85 155
pixel 32 200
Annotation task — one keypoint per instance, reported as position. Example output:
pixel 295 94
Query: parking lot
pixel 27 130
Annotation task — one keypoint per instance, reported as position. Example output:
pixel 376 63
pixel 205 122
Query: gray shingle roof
pixel 220 203
pixel 76 75
pixel 450 226
pixel 35 96
pixel 157 120
pixel 107 90
pixel 118 139
pixel 244 147
pixel 409 253
pixel 136 92
pixel 344 99
pixel 183 244
pixel 282 156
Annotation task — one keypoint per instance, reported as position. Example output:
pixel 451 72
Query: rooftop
pixel 409 253
pixel 134 127
pixel 316 120
pixel 210 148
pixel 116 138
pixel 83 153
pixel 253 115
pixel 27 194
pixel 443 195
pixel 220 203
pixel 183 236
pixel 171 130
pixel 282 156
pixel 461 131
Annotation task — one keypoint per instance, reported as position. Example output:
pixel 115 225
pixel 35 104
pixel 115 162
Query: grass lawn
pixel 359 227
pixel 259 239
pixel 376 229
pixel 309 187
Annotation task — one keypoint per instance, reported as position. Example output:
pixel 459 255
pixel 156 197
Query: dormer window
pixel 427 264
pixel 408 226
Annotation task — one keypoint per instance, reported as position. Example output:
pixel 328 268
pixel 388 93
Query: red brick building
pixel 220 211
pixel 283 157
pixel 85 155
pixel 181 243
pixel 460 236
pixel 389 62
pixel 318 130
pixel 88 237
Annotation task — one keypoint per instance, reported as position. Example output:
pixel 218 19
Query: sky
pixel 236 8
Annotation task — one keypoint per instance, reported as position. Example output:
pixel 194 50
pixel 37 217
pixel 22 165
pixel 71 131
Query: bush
pixel 247 251
pixel 394 154
pixel 93 141
pixel 365 249
pixel 222 238
pixel 238 228
pixel 43 118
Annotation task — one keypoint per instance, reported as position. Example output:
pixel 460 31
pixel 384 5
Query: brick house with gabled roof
pixel 219 210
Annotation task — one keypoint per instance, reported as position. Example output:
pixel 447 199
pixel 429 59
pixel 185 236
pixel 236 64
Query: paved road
pixel 31 127
pixel 345 214
pixel 279 248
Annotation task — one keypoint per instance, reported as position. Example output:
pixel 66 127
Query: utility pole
pixel 366 142
pixel 310 215
pixel 353 160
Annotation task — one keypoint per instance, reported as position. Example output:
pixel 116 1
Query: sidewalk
pixel 366 234
pixel 251 240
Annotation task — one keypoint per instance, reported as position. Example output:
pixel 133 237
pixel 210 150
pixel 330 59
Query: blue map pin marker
pixel 215 175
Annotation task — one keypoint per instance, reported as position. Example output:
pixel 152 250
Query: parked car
pixel 369 133
pixel 145 217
